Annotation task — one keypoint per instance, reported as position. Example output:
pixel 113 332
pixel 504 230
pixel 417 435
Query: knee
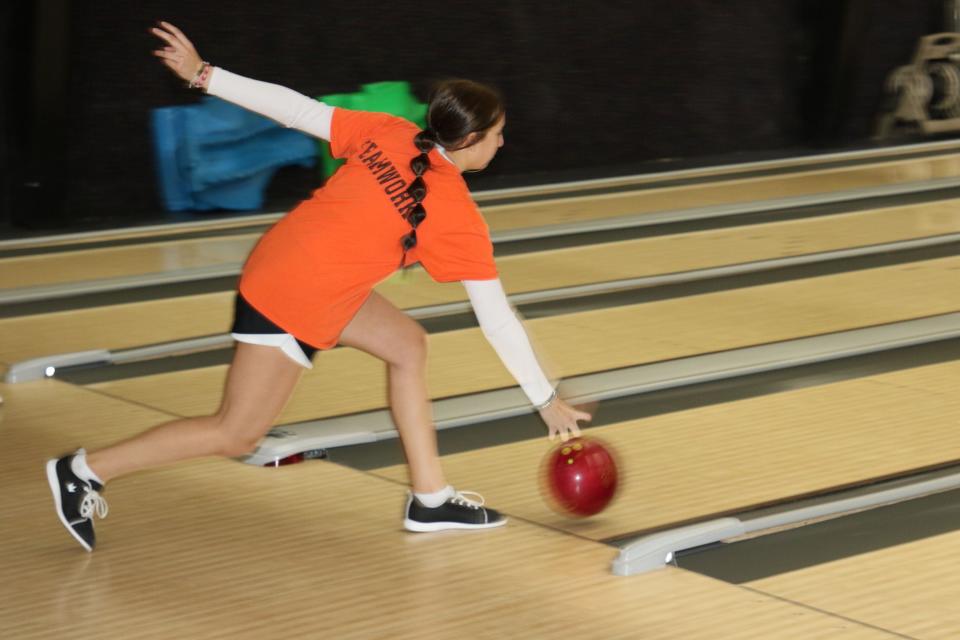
pixel 412 349
pixel 235 440
pixel 236 446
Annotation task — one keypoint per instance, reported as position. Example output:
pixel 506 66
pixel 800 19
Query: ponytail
pixel 458 108
pixel 425 142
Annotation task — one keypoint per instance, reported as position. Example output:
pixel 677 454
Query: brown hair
pixel 457 109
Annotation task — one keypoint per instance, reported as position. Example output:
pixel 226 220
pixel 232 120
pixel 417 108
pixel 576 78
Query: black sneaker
pixel 459 512
pixel 77 500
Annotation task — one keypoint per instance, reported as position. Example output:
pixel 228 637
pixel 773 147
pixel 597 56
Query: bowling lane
pixel 178 255
pixel 124 261
pixel 214 548
pixel 727 458
pixel 115 326
pixel 348 381
pixel 250 222
pixel 510 217
pixel 918 576
pixel 783 165
pixel 128 325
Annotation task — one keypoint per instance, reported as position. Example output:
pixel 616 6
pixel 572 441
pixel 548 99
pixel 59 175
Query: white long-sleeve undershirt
pixel 497 319
pixel 506 335
pixel 286 106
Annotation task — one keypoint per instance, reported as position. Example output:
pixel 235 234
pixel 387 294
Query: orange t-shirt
pixel 312 271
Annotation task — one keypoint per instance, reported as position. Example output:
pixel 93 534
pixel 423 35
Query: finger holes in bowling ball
pixel 580 477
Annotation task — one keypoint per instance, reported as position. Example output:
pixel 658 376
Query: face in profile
pixel 483 151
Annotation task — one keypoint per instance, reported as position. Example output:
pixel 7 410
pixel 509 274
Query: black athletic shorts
pixel 248 320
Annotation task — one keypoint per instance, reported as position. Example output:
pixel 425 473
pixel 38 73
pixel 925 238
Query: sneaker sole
pixel 54 483
pixel 423 527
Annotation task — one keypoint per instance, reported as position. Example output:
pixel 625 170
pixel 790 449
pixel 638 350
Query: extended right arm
pixel 286 106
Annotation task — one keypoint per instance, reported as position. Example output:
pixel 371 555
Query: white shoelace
pixel 92 504
pixel 462 499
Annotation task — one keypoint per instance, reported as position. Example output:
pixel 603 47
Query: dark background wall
pixel 606 86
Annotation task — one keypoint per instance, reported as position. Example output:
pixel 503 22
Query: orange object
pixel 312 271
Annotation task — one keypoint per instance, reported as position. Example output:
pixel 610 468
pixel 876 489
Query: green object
pixel 394 98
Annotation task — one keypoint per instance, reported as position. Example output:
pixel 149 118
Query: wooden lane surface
pixel 82 265
pixel 170 256
pixel 118 326
pixel 128 325
pixel 461 362
pixel 728 192
pixel 727 458
pixel 217 549
pixel 920 577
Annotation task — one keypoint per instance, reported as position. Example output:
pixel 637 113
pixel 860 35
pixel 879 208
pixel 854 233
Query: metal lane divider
pixel 51 292
pixel 373 426
pixel 657 550
pixel 46 366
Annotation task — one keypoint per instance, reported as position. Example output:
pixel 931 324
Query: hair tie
pixel 426 140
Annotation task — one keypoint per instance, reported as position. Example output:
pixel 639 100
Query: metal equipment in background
pixel 926 92
pixel 924 96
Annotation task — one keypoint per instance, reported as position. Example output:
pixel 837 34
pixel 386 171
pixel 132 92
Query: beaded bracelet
pixel 200 78
pixel 546 403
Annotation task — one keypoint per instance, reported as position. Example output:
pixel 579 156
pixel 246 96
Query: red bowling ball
pixel 580 477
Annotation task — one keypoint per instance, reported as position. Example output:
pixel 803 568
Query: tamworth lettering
pixel 394 187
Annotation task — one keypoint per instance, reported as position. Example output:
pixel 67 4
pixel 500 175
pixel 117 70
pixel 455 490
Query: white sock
pixel 80 467
pixel 437 498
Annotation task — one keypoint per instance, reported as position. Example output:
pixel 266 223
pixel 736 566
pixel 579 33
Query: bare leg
pixel 259 384
pixel 382 330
